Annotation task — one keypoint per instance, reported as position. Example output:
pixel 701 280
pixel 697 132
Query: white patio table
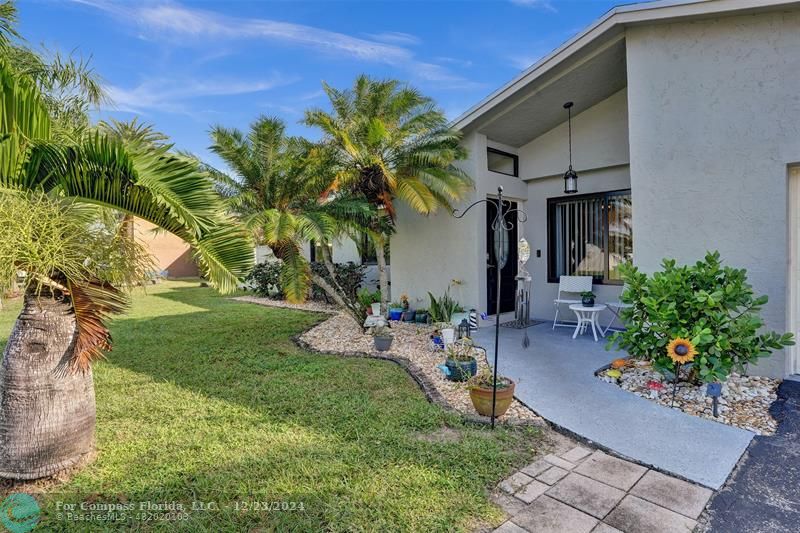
pixel 587 316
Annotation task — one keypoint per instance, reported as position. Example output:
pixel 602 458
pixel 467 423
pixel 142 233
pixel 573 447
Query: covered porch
pixel 555 377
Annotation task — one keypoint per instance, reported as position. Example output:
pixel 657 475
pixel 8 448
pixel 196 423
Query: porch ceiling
pixel 537 109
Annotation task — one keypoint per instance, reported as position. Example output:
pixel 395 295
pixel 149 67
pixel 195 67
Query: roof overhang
pixel 585 69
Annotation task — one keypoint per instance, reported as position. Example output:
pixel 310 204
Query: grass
pixel 204 399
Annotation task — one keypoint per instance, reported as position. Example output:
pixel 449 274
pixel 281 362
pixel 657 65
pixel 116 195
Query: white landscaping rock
pixel 744 403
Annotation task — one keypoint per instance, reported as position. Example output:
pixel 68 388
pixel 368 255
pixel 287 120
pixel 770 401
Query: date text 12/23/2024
pixel 162 511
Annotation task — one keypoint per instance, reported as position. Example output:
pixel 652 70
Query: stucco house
pixel 685 138
pixel 170 253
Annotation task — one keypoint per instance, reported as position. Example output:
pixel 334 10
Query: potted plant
pixel 421 316
pixel 480 392
pixel 442 309
pixel 448 333
pixel 587 298
pixel 370 300
pixel 460 362
pixel 382 336
pixel 409 315
pixel 436 338
pixel 395 311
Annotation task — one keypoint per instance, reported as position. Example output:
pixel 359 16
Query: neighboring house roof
pixel 605 36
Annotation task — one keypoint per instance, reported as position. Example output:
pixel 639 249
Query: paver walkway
pixel 582 491
pixel 764 493
pixel 555 377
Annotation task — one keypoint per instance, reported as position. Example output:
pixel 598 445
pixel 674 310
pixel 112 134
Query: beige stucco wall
pixel 170 253
pixel 714 109
pixel 599 139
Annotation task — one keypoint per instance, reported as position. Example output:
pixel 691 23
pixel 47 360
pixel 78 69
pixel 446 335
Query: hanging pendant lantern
pixel 570 176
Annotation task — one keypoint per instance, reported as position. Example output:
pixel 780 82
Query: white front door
pixel 793 353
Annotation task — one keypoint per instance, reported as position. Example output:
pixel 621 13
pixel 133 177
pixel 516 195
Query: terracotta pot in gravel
pixel 481 397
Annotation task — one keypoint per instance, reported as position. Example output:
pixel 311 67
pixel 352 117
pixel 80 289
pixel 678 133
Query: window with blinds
pixel 589 235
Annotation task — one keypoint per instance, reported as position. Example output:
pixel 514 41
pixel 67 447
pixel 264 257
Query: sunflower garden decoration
pixel 680 351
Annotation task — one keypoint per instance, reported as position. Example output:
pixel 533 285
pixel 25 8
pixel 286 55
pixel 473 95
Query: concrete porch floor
pixel 555 377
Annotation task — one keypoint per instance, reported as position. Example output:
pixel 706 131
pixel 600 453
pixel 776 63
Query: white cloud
pixel 171 96
pixel 395 37
pixel 545 5
pixel 176 23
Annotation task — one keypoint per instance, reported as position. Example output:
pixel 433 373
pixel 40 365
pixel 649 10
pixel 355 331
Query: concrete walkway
pixel 555 377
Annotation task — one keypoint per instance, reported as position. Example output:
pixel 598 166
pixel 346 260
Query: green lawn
pixel 206 399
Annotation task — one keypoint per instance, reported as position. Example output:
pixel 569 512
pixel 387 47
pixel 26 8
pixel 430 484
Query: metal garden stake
pixel 500 227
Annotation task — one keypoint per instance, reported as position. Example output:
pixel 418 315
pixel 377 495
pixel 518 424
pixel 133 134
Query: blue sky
pixel 184 66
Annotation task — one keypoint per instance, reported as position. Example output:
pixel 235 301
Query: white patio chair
pixel 570 285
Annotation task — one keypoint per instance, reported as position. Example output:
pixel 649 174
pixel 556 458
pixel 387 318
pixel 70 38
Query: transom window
pixel 589 235
pixel 502 162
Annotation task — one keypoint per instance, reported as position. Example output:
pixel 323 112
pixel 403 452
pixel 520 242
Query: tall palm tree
pixel 281 189
pixel 46 392
pixel 391 142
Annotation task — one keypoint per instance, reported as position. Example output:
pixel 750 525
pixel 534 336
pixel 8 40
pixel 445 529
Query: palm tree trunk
pixel 350 308
pixel 383 278
pixel 47 411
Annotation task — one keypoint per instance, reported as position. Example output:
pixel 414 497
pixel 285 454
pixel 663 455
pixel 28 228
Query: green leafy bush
pixel 712 305
pixel 348 275
pixel 265 279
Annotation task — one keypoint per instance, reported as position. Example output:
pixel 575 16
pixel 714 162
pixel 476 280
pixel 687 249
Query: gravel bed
pixel 411 348
pixel 744 403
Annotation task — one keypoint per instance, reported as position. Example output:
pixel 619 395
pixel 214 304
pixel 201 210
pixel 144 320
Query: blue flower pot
pixel 395 313
pixel 461 370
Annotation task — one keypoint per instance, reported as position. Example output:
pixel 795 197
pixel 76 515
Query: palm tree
pixel 281 189
pixel 46 390
pixel 391 142
pixel 67 84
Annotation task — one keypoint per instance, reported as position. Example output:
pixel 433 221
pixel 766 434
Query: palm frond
pixel 225 254
pixel 93 303
pixel 295 274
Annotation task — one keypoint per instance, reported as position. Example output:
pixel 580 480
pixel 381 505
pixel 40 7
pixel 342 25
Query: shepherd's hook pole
pixel 497 220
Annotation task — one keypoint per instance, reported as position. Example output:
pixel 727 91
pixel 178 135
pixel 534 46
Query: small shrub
pixel 348 275
pixel 711 304
pixel 265 279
